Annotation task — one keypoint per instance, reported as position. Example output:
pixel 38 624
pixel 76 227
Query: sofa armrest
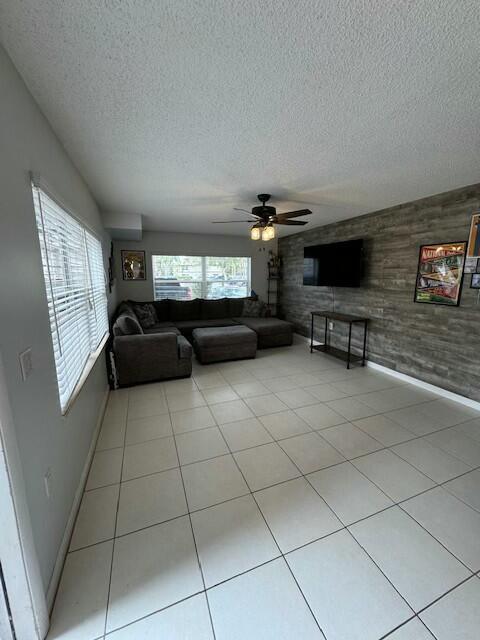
pixel 184 347
pixel 141 358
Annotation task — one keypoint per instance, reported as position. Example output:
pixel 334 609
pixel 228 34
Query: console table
pixel 340 353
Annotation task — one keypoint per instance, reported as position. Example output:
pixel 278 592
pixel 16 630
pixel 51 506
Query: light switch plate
pixel 26 364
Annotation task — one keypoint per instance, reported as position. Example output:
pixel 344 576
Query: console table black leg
pixel 364 343
pixel 349 345
pixel 311 336
pixel 326 334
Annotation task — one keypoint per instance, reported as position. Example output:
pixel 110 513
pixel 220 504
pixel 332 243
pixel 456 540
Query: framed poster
pixel 440 273
pixel 474 237
pixel 133 265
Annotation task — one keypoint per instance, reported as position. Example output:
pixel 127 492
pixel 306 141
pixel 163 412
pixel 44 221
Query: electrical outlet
pixel 26 364
pixel 330 325
pixel 48 482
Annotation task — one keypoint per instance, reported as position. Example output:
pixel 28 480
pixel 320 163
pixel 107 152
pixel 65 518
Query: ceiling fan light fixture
pixel 255 232
pixel 268 233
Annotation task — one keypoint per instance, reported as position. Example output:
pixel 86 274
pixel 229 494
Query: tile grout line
pixel 304 475
pixel 301 475
pixel 443 595
pixel 116 522
pixel 391 506
pixel 350 533
pixel 69 550
pixel 311 430
pixel 399 505
pixel 194 540
pixel 415 617
pixel 274 539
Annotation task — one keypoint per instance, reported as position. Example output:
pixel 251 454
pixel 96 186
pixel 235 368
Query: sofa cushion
pixel 146 314
pixel 254 309
pixel 127 325
pixel 185 309
pixel 163 327
pixel 162 307
pixel 190 325
pixel 235 307
pixel 266 326
pixel 215 309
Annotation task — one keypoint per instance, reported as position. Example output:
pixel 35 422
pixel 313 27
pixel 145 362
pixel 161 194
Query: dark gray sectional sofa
pixel 163 350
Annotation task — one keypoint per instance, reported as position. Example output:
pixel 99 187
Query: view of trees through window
pixel 188 277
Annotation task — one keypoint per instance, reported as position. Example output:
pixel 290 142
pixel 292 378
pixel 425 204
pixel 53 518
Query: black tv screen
pixel 333 265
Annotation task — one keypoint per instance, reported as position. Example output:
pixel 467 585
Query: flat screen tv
pixel 333 265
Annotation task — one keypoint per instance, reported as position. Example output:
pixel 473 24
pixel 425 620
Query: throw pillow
pixel 253 309
pixel 146 315
pixel 128 326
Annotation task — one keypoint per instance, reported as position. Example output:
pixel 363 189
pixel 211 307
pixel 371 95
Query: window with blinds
pixel 75 284
pixel 187 277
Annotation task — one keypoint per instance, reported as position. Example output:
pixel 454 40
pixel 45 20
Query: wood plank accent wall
pixel 434 343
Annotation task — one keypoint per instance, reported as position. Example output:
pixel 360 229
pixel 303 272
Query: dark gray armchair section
pixel 147 357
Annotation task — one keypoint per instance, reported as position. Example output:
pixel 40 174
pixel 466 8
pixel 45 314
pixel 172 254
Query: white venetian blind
pixel 75 284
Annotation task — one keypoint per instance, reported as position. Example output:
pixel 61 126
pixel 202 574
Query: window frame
pixel 95 305
pixel 204 282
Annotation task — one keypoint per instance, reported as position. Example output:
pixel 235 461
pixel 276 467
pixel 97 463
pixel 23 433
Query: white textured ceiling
pixel 181 109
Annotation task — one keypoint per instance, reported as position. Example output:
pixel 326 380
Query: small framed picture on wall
pixel 474 237
pixel 475 284
pixel 133 265
pixel 471 265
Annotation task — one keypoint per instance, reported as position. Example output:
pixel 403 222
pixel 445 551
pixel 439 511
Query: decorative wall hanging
pixel 111 269
pixel 133 265
pixel 440 273
pixel 470 265
pixel 475 284
pixel 474 237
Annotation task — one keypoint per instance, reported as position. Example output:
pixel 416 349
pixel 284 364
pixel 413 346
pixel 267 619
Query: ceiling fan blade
pixel 294 214
pixel 230 221
pixel 291 222
pixel 245 211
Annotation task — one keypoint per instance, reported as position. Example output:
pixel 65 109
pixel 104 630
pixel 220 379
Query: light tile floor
pixel 278 498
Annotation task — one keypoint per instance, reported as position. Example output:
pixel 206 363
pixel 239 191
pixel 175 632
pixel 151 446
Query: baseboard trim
pixel 444 393
pixel 62 552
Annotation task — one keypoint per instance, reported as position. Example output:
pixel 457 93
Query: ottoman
pixel 214 344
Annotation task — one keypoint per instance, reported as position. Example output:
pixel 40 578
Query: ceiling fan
pixel 266 217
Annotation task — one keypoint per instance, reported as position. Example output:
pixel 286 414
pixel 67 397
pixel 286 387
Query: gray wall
pixel 434 343
pixel 45 438
pixel 155 242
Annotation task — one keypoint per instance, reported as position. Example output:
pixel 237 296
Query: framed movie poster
pixel 440 273
pixel 474 238
pixel 133 265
